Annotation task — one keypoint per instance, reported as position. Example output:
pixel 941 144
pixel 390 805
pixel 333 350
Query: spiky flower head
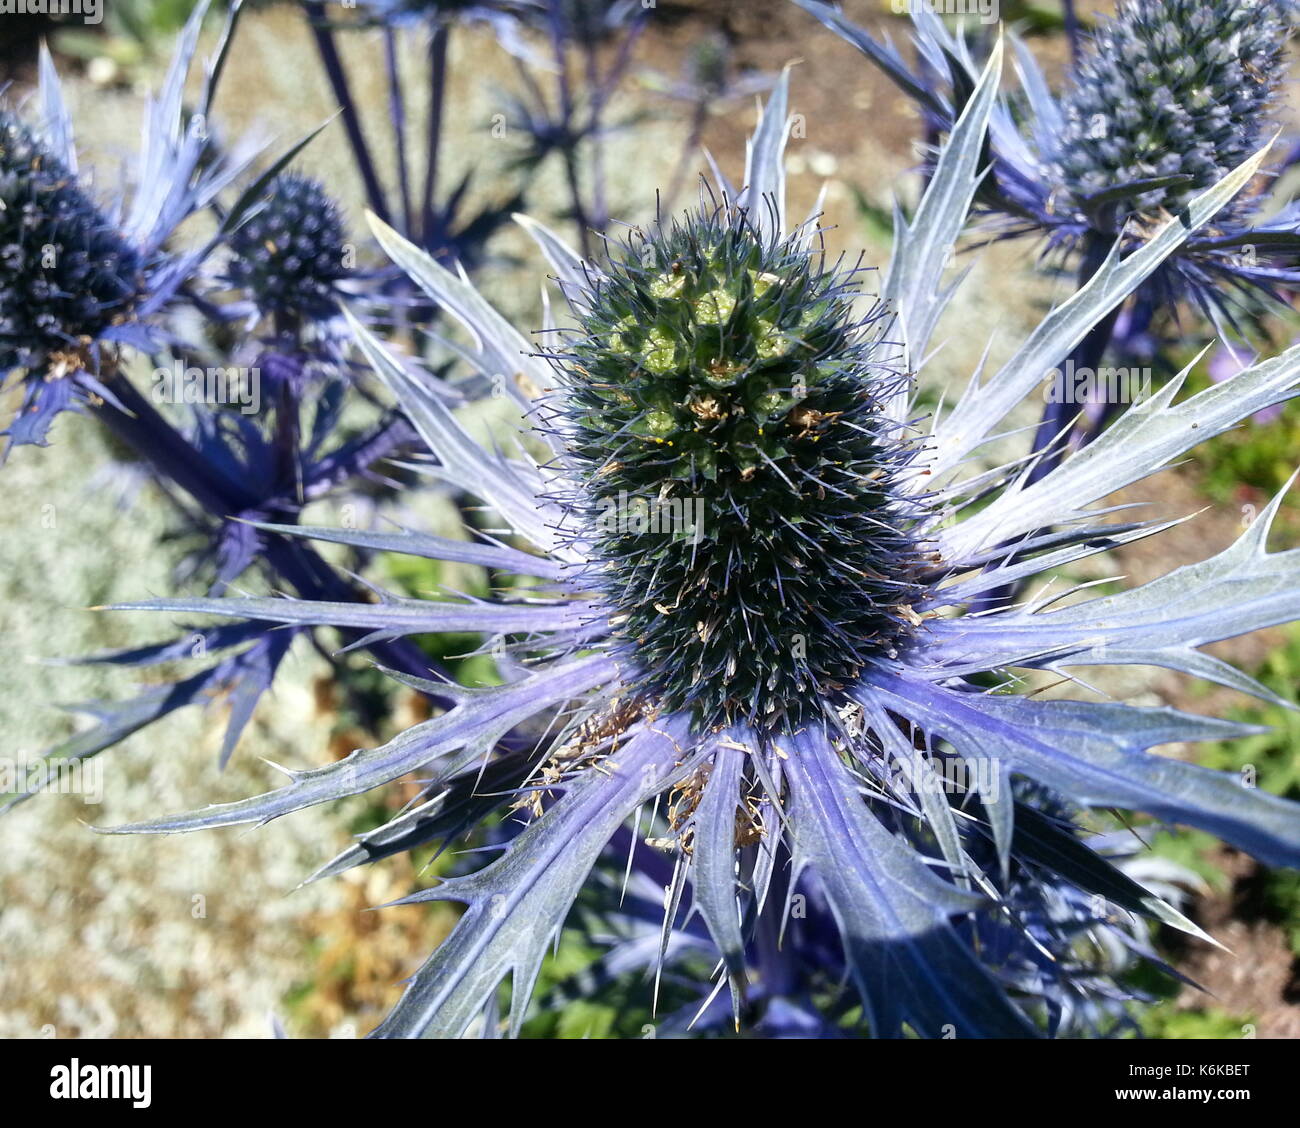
pixel 861 813
pixel 1172 88
pixel 292 254
pixel 1165 98
pixel 66 274
pixel 724 413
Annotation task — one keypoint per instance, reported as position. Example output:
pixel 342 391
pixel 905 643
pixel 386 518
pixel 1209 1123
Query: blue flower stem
pixel 432 229
pixel 397 109
pixel 569 143
pixel 288 412
pixel 773 966
pixel 352 459
pixel 338 81
pixel 699 115
pixel 602 89
pixel 599 217
pixel 1071 29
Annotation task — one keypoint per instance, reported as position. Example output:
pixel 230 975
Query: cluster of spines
pixel 1172 88
pixel 66 274
pixel 290 256
pixel 723 408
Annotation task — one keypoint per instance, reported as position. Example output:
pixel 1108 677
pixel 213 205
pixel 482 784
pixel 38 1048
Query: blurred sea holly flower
pixel 709 81
pixel 571 119
pixel 1161 100
pixel 84 284
pixel 291 255
pixel 81 279
pixel 709 75
pixel 750 570
pixel 425 211
pixel 503 16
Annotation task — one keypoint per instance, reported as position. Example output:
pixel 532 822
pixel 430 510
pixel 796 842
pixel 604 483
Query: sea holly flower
pixel 709 81
pixel 68 274
pixel 290 256
pixel 1160 102
pixel 1178 90
pixel 81 279
pixel 428 212
pixel 721 371
pixel 84 283
pixel 830 744
pixel 563 109
pixel 291 261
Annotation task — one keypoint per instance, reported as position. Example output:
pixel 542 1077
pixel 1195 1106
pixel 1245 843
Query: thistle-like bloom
pixel 1179 90
pixel 80 279
pixel 794 678
pixel 66 275
pixel 291 255
pixel 1165 97
pixel 721 381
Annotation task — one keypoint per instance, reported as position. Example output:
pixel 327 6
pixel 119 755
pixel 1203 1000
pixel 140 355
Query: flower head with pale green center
pixel 880 780
pixel 724 411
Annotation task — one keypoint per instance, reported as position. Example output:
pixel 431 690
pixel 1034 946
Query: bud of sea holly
pixel 724 393
pixel 1172 88
pixel 65 274
pixel 291 254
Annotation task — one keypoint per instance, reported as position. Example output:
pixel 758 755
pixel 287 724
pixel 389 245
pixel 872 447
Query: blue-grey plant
pixel 83 278
pixel 1068 954
pixel 290 256
pixel 425 211
pixel 90 289
pixel 1180 90
pixel 837 750
pixel 1160 101
pixel 573 121
pixel 562 38
pixel 710 80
